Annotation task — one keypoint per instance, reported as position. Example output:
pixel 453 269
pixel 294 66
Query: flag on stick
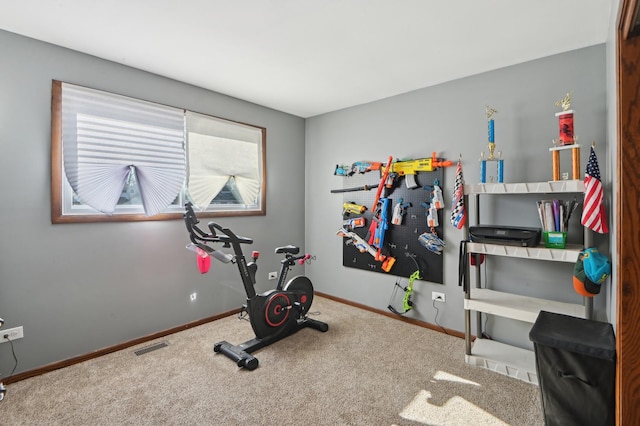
pixel 458 211
pixel 593 214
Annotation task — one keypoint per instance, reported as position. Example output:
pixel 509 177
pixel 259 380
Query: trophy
pixel 565 122
pixel 492 147
pixel 566 140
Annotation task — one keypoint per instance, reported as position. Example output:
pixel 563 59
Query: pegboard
pixel 399 239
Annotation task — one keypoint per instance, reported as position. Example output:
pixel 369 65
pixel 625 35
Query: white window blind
pixel 106 137
pixel 219 151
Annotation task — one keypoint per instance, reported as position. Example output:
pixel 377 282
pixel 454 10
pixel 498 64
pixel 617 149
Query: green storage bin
pixel 557 240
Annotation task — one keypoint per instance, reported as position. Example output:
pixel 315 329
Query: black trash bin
pixel 576 365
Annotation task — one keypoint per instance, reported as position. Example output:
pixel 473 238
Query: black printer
pixel 507 235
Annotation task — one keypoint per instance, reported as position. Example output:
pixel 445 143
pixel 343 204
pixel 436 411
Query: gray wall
pixel 450 119
pixel 77 288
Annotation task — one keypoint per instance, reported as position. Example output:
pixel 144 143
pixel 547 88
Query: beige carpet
pixel 366 370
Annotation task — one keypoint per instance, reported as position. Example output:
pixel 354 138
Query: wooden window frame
pixel 58 179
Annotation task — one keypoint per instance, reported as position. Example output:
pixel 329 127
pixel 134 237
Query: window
pixel 219 156
pixel 116 158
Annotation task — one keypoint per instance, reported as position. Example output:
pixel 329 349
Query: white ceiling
pixel 308 57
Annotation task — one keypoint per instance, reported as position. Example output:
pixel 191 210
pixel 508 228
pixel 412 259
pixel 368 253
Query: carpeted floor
pixel 368 369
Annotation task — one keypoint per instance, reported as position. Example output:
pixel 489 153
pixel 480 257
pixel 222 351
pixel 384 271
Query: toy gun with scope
pixel 410 168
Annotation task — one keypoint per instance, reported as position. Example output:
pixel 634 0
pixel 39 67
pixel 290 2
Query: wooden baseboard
pixel 81 358
pixel 394 316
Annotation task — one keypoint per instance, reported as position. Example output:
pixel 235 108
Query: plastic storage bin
pixel 576 366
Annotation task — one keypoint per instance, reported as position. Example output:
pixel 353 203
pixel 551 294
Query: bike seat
pixel 288 249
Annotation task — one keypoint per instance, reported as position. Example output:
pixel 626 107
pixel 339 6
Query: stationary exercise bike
pixel 274 314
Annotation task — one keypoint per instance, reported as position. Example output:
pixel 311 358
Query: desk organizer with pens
pixel 555 239
pixel 554 218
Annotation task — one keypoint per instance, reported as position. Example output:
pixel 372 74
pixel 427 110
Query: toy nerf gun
pixel 383 180
pixel 437 200
pixel 361 167
pixel 348 208
pixel 363 246
pixel 410 168
pixel 357 241
pixel 436 203
pixel 357 222
pixel 379 225
pixel 378 228
pixel 399 210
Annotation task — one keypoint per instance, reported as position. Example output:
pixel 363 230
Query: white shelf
pixel 517 307
pixel 550 187
pixel 568 254
pixel 499 357
pixel 504 359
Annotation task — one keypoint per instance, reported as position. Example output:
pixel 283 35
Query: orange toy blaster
pixel 410 168
pixel 358 167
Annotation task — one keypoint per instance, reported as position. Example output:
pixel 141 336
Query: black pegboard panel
pixel 400 240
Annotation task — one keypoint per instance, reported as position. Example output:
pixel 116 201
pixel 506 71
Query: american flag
pixel 458 212
pixel 593 214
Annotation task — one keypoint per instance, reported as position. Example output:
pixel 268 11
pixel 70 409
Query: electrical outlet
pixel 13 333
pixel 273 275
pixel 437 296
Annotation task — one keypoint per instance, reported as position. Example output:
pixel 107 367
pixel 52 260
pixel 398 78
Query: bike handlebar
pixel 229 235
pixel 198 236
pixel 196 233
